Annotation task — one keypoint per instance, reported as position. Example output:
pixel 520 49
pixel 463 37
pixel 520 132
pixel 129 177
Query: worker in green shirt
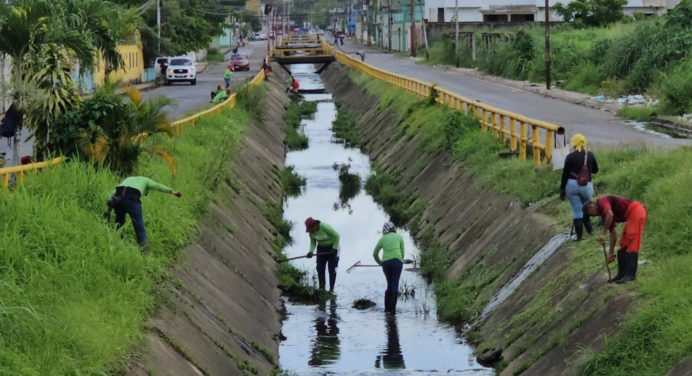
pixel 227 75
pixel 221 96
pixel 392 246
pixel 126 200
pixel 326 239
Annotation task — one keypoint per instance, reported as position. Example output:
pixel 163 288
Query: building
pixel 478 11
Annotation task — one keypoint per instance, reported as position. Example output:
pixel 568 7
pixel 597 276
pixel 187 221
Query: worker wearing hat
pixel 326 240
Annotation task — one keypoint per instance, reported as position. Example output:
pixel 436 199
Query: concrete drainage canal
pixel 334 337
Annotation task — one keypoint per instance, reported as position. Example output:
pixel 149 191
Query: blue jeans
pixel 578 196
pixel 134 209
pixel 392 271
pixel 228 82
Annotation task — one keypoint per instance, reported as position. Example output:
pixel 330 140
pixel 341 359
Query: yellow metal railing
pixel 20 171
pixel 523 134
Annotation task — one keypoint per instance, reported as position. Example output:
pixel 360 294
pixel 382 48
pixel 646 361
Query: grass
pixel 344 128
pixel 637 113
pixel 214 56
pixel 75 294
pixel 654 336
pixel 293 115
pixel 291 182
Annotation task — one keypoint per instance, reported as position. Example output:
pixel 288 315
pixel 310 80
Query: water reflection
pixel 390 357
pixel 326 347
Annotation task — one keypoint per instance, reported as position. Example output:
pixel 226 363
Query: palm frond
pixel 170 160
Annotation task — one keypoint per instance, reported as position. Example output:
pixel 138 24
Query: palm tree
pixel 115 130
pixel 43 37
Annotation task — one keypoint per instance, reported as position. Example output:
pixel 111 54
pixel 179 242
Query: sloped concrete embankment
pixel 488 237
pixel 220 313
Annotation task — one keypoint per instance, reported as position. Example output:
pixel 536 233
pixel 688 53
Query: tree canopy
pixel 591 12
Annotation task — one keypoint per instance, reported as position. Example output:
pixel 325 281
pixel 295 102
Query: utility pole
pixel 547 45
pixel 456 32
pixel 413 29
pixel 389 24
pixel 425 32
pixel 158 26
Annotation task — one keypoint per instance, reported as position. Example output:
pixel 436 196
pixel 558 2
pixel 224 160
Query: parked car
pixel 239 62
pixel 181 68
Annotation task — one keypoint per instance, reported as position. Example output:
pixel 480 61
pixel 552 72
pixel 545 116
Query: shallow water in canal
pixel 334 338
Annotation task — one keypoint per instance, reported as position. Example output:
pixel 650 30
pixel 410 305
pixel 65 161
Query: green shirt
pixel 220 97
pixel 144 184
pixel 393 246
pixel 228 74
pixel 326 235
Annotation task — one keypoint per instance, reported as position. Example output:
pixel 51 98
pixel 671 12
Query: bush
pixel 291 182
pixel 294 113
pixel 676 89
pixel 253 99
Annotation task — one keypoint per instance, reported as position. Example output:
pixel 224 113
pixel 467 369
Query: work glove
pixel 309 255
pixel 562 195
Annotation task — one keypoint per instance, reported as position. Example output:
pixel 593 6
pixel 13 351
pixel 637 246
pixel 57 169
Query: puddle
pixel 335 338
pixel 653 128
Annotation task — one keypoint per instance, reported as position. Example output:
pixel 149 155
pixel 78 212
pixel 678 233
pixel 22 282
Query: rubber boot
pixel 395 298
pixel 332 280
pixel 578 228
pixel 587 224
pixel 631 263
pixel 622 266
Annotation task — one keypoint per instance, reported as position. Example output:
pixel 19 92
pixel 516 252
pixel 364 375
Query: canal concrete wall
pixel 487 232
pixel 220 312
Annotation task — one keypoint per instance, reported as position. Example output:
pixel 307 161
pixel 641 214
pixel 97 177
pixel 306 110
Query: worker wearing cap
pixel 326 240
pixel 392 246
pixel 617 209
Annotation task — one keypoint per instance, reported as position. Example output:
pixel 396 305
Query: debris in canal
pixel 363 303
pixel 490 357
pixel 350 184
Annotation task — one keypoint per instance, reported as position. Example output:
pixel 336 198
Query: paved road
pixel 190 98
pixel 600 127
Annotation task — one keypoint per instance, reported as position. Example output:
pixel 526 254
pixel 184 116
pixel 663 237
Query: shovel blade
pixel 353 267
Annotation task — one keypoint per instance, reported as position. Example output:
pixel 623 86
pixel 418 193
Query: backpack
pixel 584 171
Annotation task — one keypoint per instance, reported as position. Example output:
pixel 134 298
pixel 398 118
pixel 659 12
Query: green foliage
pixel 294 113
pixel 350 183
pixel 676 89
pixel 382 187
pixel 75 293
pixel 591 12
pixel 637 113
pixel 214 56
pixel 291 182
pixel 344 128
pixel 253 99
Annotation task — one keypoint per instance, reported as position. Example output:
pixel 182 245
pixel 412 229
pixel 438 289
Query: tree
pixel 591 13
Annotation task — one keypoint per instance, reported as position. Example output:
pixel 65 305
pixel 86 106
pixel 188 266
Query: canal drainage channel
pixel 334 337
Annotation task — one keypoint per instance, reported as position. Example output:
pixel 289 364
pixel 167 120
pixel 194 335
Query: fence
pixel 21 171
pixel 524 134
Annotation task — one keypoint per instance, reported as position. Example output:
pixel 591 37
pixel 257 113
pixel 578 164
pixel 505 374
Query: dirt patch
pixel 489 237
pixel 220 310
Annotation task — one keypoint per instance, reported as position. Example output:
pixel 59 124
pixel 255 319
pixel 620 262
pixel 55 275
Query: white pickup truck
pixel 181 68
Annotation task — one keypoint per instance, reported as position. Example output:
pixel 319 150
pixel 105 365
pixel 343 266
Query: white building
pixel 520 10
pixel 5 66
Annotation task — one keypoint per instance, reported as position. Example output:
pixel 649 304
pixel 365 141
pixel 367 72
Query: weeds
pixel 350 183
pixel 294 113
pixel 291 182
pixel 252 99
pixel 344 129
pixel 637 113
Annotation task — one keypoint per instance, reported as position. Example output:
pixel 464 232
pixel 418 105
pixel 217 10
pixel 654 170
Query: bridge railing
pixel 21 171
pixel 523 134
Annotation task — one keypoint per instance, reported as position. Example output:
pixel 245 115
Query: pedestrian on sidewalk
pixel 576 184
pixel 392 246
pixel 228 75
pixel 127 200
pixel 325 239
pixel 617 209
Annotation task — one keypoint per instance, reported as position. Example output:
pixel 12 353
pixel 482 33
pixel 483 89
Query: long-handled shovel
pixel 304 256
pixel 605 256
pixel 358 264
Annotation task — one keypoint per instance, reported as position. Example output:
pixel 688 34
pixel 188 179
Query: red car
pixel 239 62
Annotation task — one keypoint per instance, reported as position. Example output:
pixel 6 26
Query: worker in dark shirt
pixel 578 194
pixel 617 209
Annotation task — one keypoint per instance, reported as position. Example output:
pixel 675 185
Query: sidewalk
pixel 600 127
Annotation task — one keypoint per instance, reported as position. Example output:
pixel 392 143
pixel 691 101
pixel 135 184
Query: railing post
pixel 522 140
pixel 512 134
pixel 493 123
pixel 501 129
pixel 5 180
pixel 548 145
pixel 536 150
pixel 484 118
pixel 20 178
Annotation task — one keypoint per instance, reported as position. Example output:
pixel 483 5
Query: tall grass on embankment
pixel 652 56
pixel 654 335
pixel 75 295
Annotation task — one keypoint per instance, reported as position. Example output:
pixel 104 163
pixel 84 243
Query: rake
pixel 359 264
